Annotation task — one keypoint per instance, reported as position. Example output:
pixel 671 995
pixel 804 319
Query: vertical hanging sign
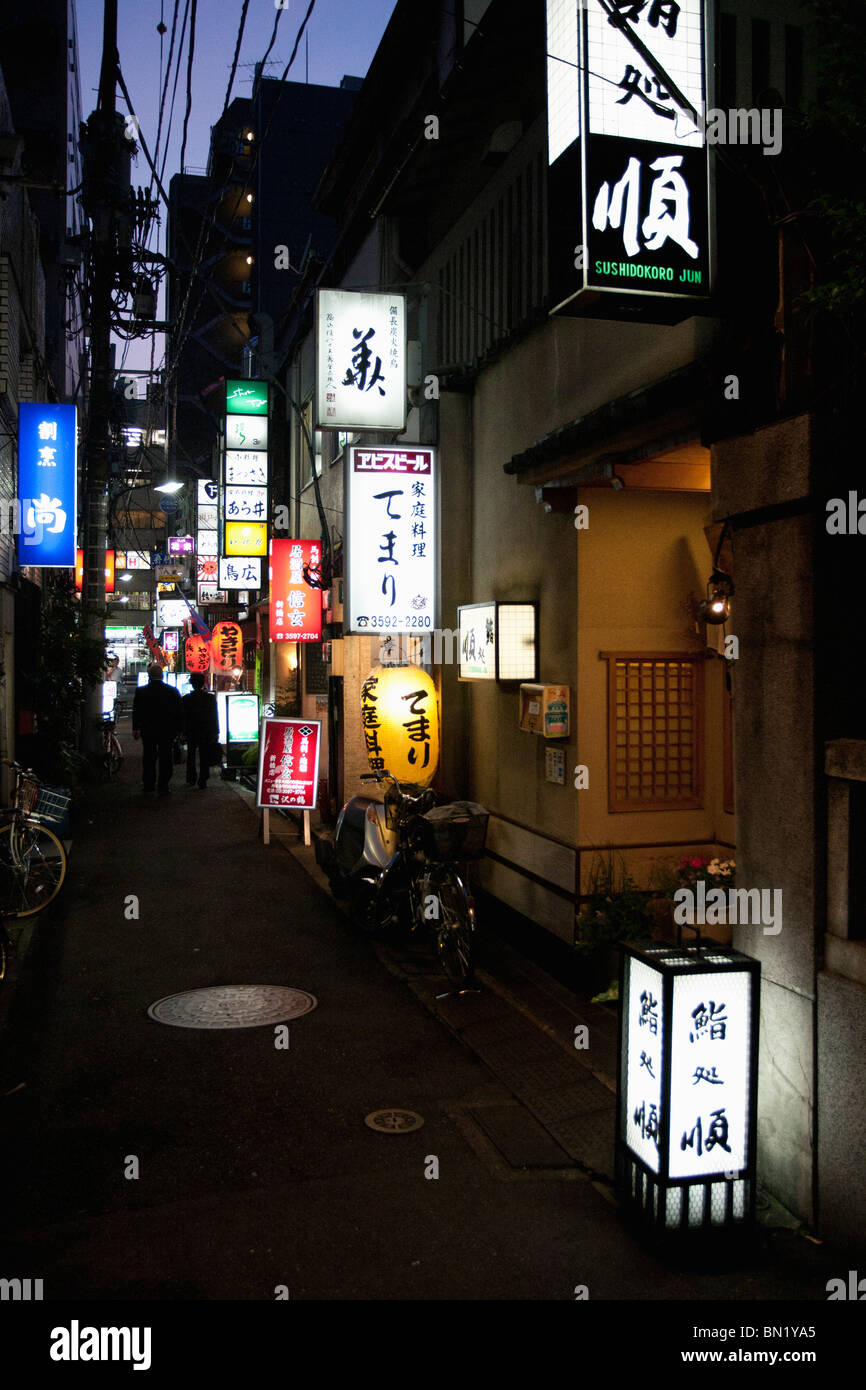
pixel 47 485
pixel 392 507
pixel 629 178
pixel 360 361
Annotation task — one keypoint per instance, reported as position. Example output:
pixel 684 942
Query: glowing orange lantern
pixel 196 651
pixel 227 646
pixel 400 715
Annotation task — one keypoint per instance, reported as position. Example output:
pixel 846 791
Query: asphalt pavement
pixel 154 1162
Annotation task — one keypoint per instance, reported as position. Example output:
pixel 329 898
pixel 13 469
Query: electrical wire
pixel 189 63
pixel 237 54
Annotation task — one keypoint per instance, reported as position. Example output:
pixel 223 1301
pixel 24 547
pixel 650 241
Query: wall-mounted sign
pixel 208 516
pixel 246 398
pixel 246 503
pixel 295 609
pixel 181 545
pixel 392 508
pixel 246 538
pixel 109 570
pixel 209 593
pixel 171 612
pixel 629 181
pixel 246 467
pixel 288 763
pixel 207 569
pixel 498 641
pixel 687 1095
pixel 360 360
pixel 208 492
pixel 207 543
pixel 240 574
pixel 47 485
pixel 137 560
pixel 171 641
pixel 174 571
pixel 247 432
pixel 169 505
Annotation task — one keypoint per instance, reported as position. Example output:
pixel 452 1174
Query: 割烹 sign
pixel 295 608
pixel 47 485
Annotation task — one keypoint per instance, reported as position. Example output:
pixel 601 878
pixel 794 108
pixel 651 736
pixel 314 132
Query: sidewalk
pixel 253 1165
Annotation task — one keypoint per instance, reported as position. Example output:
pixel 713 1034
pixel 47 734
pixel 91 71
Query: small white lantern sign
pixel 686 1106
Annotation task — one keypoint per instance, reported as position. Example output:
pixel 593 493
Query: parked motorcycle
pixel 398 862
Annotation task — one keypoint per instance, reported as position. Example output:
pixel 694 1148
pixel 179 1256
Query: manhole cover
pixel 394 1121
pixel 232 1006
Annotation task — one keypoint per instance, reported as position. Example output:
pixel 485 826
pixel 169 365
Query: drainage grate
pixel 232 1006
pixel 394 1121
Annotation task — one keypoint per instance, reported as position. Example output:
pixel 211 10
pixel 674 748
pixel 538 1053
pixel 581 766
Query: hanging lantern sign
pixel 400 715
pixel 196 652
pixel 227 646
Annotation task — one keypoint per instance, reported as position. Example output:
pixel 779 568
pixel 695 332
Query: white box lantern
pixel 687 1086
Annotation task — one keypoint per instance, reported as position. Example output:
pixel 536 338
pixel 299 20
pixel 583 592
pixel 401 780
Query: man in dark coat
pixel 157 718
pixel 201 725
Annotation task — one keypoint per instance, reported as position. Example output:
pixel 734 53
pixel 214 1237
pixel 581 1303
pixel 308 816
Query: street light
pixel 169 487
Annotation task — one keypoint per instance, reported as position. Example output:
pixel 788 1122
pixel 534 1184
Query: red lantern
pixel 227 646
pixel 196 650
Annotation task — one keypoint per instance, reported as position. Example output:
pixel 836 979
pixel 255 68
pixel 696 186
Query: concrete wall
pixel 774 720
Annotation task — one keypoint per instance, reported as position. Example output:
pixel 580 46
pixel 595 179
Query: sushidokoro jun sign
pixel 629 195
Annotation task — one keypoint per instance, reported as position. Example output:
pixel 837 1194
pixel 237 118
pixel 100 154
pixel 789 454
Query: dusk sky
pixel 343 36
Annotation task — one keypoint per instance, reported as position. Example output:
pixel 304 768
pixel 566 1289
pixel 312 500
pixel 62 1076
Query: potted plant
pixel 692 869
pixel 614 910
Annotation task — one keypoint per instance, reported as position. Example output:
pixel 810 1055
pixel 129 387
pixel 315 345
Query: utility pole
pixel 106 151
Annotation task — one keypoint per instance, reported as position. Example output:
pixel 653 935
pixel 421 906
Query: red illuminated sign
pixel 227 646
pixel 109 571
pixel 295 607
pixel 289 763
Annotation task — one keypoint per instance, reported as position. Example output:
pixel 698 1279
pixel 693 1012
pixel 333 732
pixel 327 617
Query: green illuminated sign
pixel 246 397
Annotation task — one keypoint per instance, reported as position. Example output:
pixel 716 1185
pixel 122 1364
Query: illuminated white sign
pixel 235 573
pixel 171 612
pixel 628 184
pixel 392 511
pixel 208 517
pixel 137 560
pixel 477 635
pixel 247 467
pixel 361 360
pixel 208 491
pixel 242 717
pixel 209 593
pixel 246 504
pixel 207 543
pixel 246 432
pixel 709 1074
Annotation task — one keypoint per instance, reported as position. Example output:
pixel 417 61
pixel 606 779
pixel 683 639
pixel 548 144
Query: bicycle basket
pixel 27 794
pixel 52 805
pixel 456 831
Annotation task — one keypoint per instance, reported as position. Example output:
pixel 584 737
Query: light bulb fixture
pixel 169 487
pixel 249 197
pixel 249 260
pixel 126 579
pixel 250 135
pixel 716 607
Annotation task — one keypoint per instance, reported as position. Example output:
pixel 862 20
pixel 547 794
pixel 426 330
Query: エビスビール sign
pixel 392 509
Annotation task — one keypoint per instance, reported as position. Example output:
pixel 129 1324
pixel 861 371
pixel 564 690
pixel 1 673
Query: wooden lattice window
pixel 655 731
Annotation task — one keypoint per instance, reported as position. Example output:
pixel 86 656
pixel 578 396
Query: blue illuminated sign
pixel 47 485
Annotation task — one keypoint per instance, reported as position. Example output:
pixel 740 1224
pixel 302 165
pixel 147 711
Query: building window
pixel 655 732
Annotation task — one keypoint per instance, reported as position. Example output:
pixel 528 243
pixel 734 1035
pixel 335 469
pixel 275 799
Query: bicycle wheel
pixel 115 756
pixel 454 928
pixel 33 878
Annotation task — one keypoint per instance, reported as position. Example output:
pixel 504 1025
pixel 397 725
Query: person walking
pixel 157 719
pixel 201 726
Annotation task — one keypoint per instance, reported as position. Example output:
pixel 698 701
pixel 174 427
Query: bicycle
pixel 421 883
pixel 32 858
pixel 112 753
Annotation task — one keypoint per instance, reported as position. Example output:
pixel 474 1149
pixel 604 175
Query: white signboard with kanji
pixel 392 508
pixel 247 466
pixel 236 573
pixel 360 360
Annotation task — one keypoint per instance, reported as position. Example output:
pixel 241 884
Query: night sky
pixel 343 36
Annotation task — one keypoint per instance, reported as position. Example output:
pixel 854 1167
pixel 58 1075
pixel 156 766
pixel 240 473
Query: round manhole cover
pixel 394 1121
pixel 232 1006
